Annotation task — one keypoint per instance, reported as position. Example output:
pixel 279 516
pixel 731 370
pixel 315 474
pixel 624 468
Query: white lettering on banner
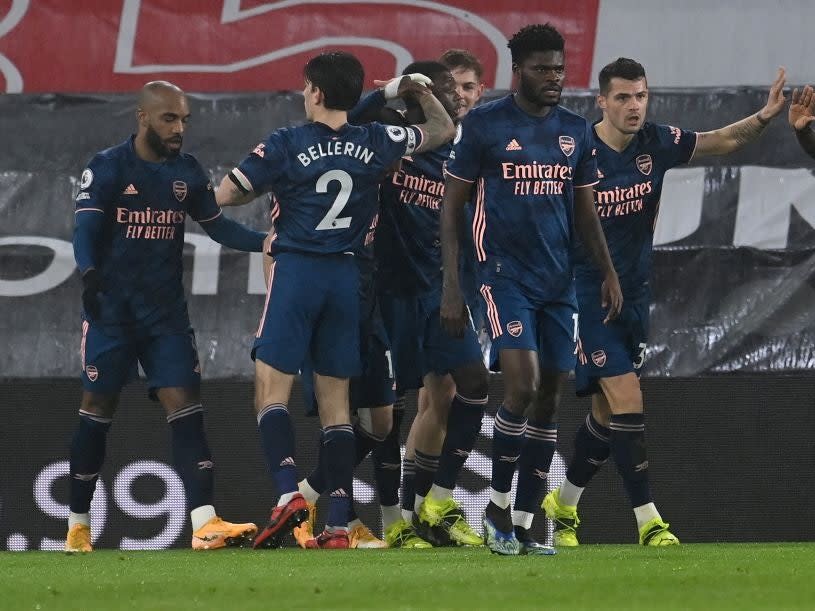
pixel 57 272
pixel 766 199
pixel 681 209
pixel 232 13
pixel 206 259
pixel 172 505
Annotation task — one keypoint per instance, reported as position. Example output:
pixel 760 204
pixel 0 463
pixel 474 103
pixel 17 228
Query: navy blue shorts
pixel 110 362
pixel 312 309
pixel 515 322
pixel 612 349
pixel 419 345
pixel 376 386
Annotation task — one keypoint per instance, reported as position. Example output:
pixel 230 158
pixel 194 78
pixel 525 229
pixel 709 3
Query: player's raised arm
pixel 734 136
pixel 588 227
pixel 373 106
pixel 453 311
pixel 438 127
pixel 801 116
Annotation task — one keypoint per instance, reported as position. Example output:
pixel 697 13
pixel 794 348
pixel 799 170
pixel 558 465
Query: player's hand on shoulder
pixel 453 313
pixel 775 99
pixel 91 287
pixel 802 108
pixel 612 296
pixel 402 86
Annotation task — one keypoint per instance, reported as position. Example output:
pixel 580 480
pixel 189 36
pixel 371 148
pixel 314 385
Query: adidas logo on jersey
pixel 130 190
pixel 514 146
pixel 287 462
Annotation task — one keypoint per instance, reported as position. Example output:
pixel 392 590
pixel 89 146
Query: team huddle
pixel 397 237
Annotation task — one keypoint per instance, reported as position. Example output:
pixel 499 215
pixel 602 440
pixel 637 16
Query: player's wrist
pixel 762 120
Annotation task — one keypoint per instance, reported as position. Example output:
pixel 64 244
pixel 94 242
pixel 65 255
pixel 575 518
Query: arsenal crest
pixel 515 328
pixel 180 190
pixel 92 373
pixel 598 357
pixel 566 145
pixel 645 163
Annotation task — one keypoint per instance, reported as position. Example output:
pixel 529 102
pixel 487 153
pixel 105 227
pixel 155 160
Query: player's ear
pixel 602 102
pixel 141 116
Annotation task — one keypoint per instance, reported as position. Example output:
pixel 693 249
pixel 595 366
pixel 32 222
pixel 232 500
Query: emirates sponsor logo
pixel 566 145
pixel 645 164
pixel 180 190
pixel 598 357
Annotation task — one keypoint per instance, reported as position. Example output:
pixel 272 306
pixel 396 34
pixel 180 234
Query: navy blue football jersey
pixel 627 201
pixel 140 250
pixel 408 250
pixel 326 181
pixel 525 169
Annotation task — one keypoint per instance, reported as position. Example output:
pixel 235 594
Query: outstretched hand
pixel 802 109
pixel 775 99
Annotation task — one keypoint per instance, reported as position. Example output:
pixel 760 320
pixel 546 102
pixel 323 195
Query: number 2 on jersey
pixel 331 220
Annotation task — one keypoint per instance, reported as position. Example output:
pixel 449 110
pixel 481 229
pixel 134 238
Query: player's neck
pixel 145 152
pixel 531 108
pixel 334 119
pixel 612 137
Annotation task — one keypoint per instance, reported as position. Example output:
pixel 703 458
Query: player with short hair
pixel 801 116
pixel 128 244
pixel 468 72
pixel 632 158
pixel 325 175
pixel 532 163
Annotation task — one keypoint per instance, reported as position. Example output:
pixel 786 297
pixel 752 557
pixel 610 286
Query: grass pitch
pixel 736 576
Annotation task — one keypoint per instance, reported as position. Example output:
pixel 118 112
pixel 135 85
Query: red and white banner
pixel 250 45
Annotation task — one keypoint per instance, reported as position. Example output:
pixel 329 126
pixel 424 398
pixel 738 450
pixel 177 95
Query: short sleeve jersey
pixel 525 169
pixel 326 181
pixel 140 249
pixel 627 200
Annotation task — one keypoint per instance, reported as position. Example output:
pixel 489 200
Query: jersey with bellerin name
pixel 525 169
pixel 326 181
pixel 627 201
pixel 139 254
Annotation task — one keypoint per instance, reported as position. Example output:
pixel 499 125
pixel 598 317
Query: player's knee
pixel 472 381
pixel 103 406
pixel 377 422
pixel 519 399
pixel 623 394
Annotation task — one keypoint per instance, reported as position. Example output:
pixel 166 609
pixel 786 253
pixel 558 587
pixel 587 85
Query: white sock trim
pixel 201 515
pixel 440 494
pixel 569 493
pixel 309 493
pixel 645 513
pixel 285 498
pixel 78 518
pixel 502 499
pixel 522 519
pixel 417 502
pixel 407 515
pixel 390 514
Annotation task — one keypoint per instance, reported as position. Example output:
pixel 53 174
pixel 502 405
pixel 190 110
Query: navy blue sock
pixel 338 447
pixel 87 456
pixel 191 455
pixel 507 442
pixel 316 479
pixel 426 467
pixel 627 442
pixel 387 464
pixel 533 465
pixel 463 425
pixel 591 451
pixel 364 443
pixel 277 440
pixel 408 484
